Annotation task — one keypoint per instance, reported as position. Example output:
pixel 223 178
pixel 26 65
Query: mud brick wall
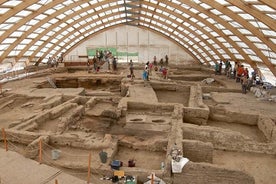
pixel 198 116
pixel 268 127
pixel 199 173
pixel 197 112
pixel 218 114
pixel 23 137
pixel 198 151
pixel 226 139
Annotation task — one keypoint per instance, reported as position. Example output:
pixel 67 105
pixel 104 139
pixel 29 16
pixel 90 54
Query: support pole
pixel 40 151
pixel 89 169
pixel 152 179
pixel 5 138
pixel 56 181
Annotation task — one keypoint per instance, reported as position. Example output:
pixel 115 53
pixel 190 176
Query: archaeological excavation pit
pixel 94 85
pixel 141 123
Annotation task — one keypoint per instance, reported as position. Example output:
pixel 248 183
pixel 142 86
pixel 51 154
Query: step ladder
pixel 51 82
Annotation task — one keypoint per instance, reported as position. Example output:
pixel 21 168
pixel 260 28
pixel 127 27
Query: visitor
pixel 154 61
pixel 220 67
pixel 114 63
pixel 246 73
pixel 131 69
pixel 95 65
pixel 145 76
pixel 150 68
pixel 165 73
pixel 244 84
pixel 229 71
pixel 161 62
pixel 236 69
pixel 166 60
pixel 98 55
pixel 216 69
pixel 227 65
pixel 88 66
pixel 240 72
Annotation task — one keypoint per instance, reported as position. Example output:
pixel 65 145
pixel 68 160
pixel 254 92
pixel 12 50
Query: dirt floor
pixel 247 130
pixel 261 166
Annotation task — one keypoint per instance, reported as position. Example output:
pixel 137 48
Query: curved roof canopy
pixel 209 30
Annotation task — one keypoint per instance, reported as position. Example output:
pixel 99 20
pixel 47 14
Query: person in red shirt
pixel 240 73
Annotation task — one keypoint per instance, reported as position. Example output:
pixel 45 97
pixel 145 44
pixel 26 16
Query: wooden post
pixel 89 169
pixel 152 179
pixel 5 138
pixel 40 151
pixel 56 181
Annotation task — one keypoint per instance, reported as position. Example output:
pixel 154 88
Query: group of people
pixel 102 56
pixel 149 66
pixel 54 61
pixel 238 73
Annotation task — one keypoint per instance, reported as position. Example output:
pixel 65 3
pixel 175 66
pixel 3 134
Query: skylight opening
pixel 32 35
pixel 39 30
pixel 16 34
pixel 34 7
pixel 205 6
pixel 227 32
pixel 269 33
pixel 216 12
pixel 226 18
pixel 9 40
pixel 258 24
pixel 13 20
pixel 238 56
pixel 234 9
pixel 254 39
pixel 44 38
pixel 11 3
pixel 246 16
pixel 3 10
pixel 194 10
pixel 50 11
pixel 178 11
pixel 242 44
pixel 223 2
pixel 23 13
pixel 32 22
pixel 264 8
pixel 234 38
pixel 255 58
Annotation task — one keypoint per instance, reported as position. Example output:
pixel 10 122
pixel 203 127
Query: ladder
pixel 51 82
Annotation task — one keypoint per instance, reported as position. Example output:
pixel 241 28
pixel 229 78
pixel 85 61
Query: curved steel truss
pixel 209 30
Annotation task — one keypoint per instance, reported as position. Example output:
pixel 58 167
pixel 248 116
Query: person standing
pixel 244 84
pixel 88 65
pixel 166 60
pixel 131 69
pixel 114 63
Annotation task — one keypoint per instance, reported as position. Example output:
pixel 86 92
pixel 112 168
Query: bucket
pixel 55 154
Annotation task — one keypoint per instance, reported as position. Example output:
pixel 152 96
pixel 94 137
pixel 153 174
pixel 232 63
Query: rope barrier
pixel 45 157
pixel 68 154
pixel 20 138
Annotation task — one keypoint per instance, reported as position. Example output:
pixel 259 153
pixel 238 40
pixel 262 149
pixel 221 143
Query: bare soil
pixel 173 97
pixel 144 159
pixel 260 166
pixel 247 130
